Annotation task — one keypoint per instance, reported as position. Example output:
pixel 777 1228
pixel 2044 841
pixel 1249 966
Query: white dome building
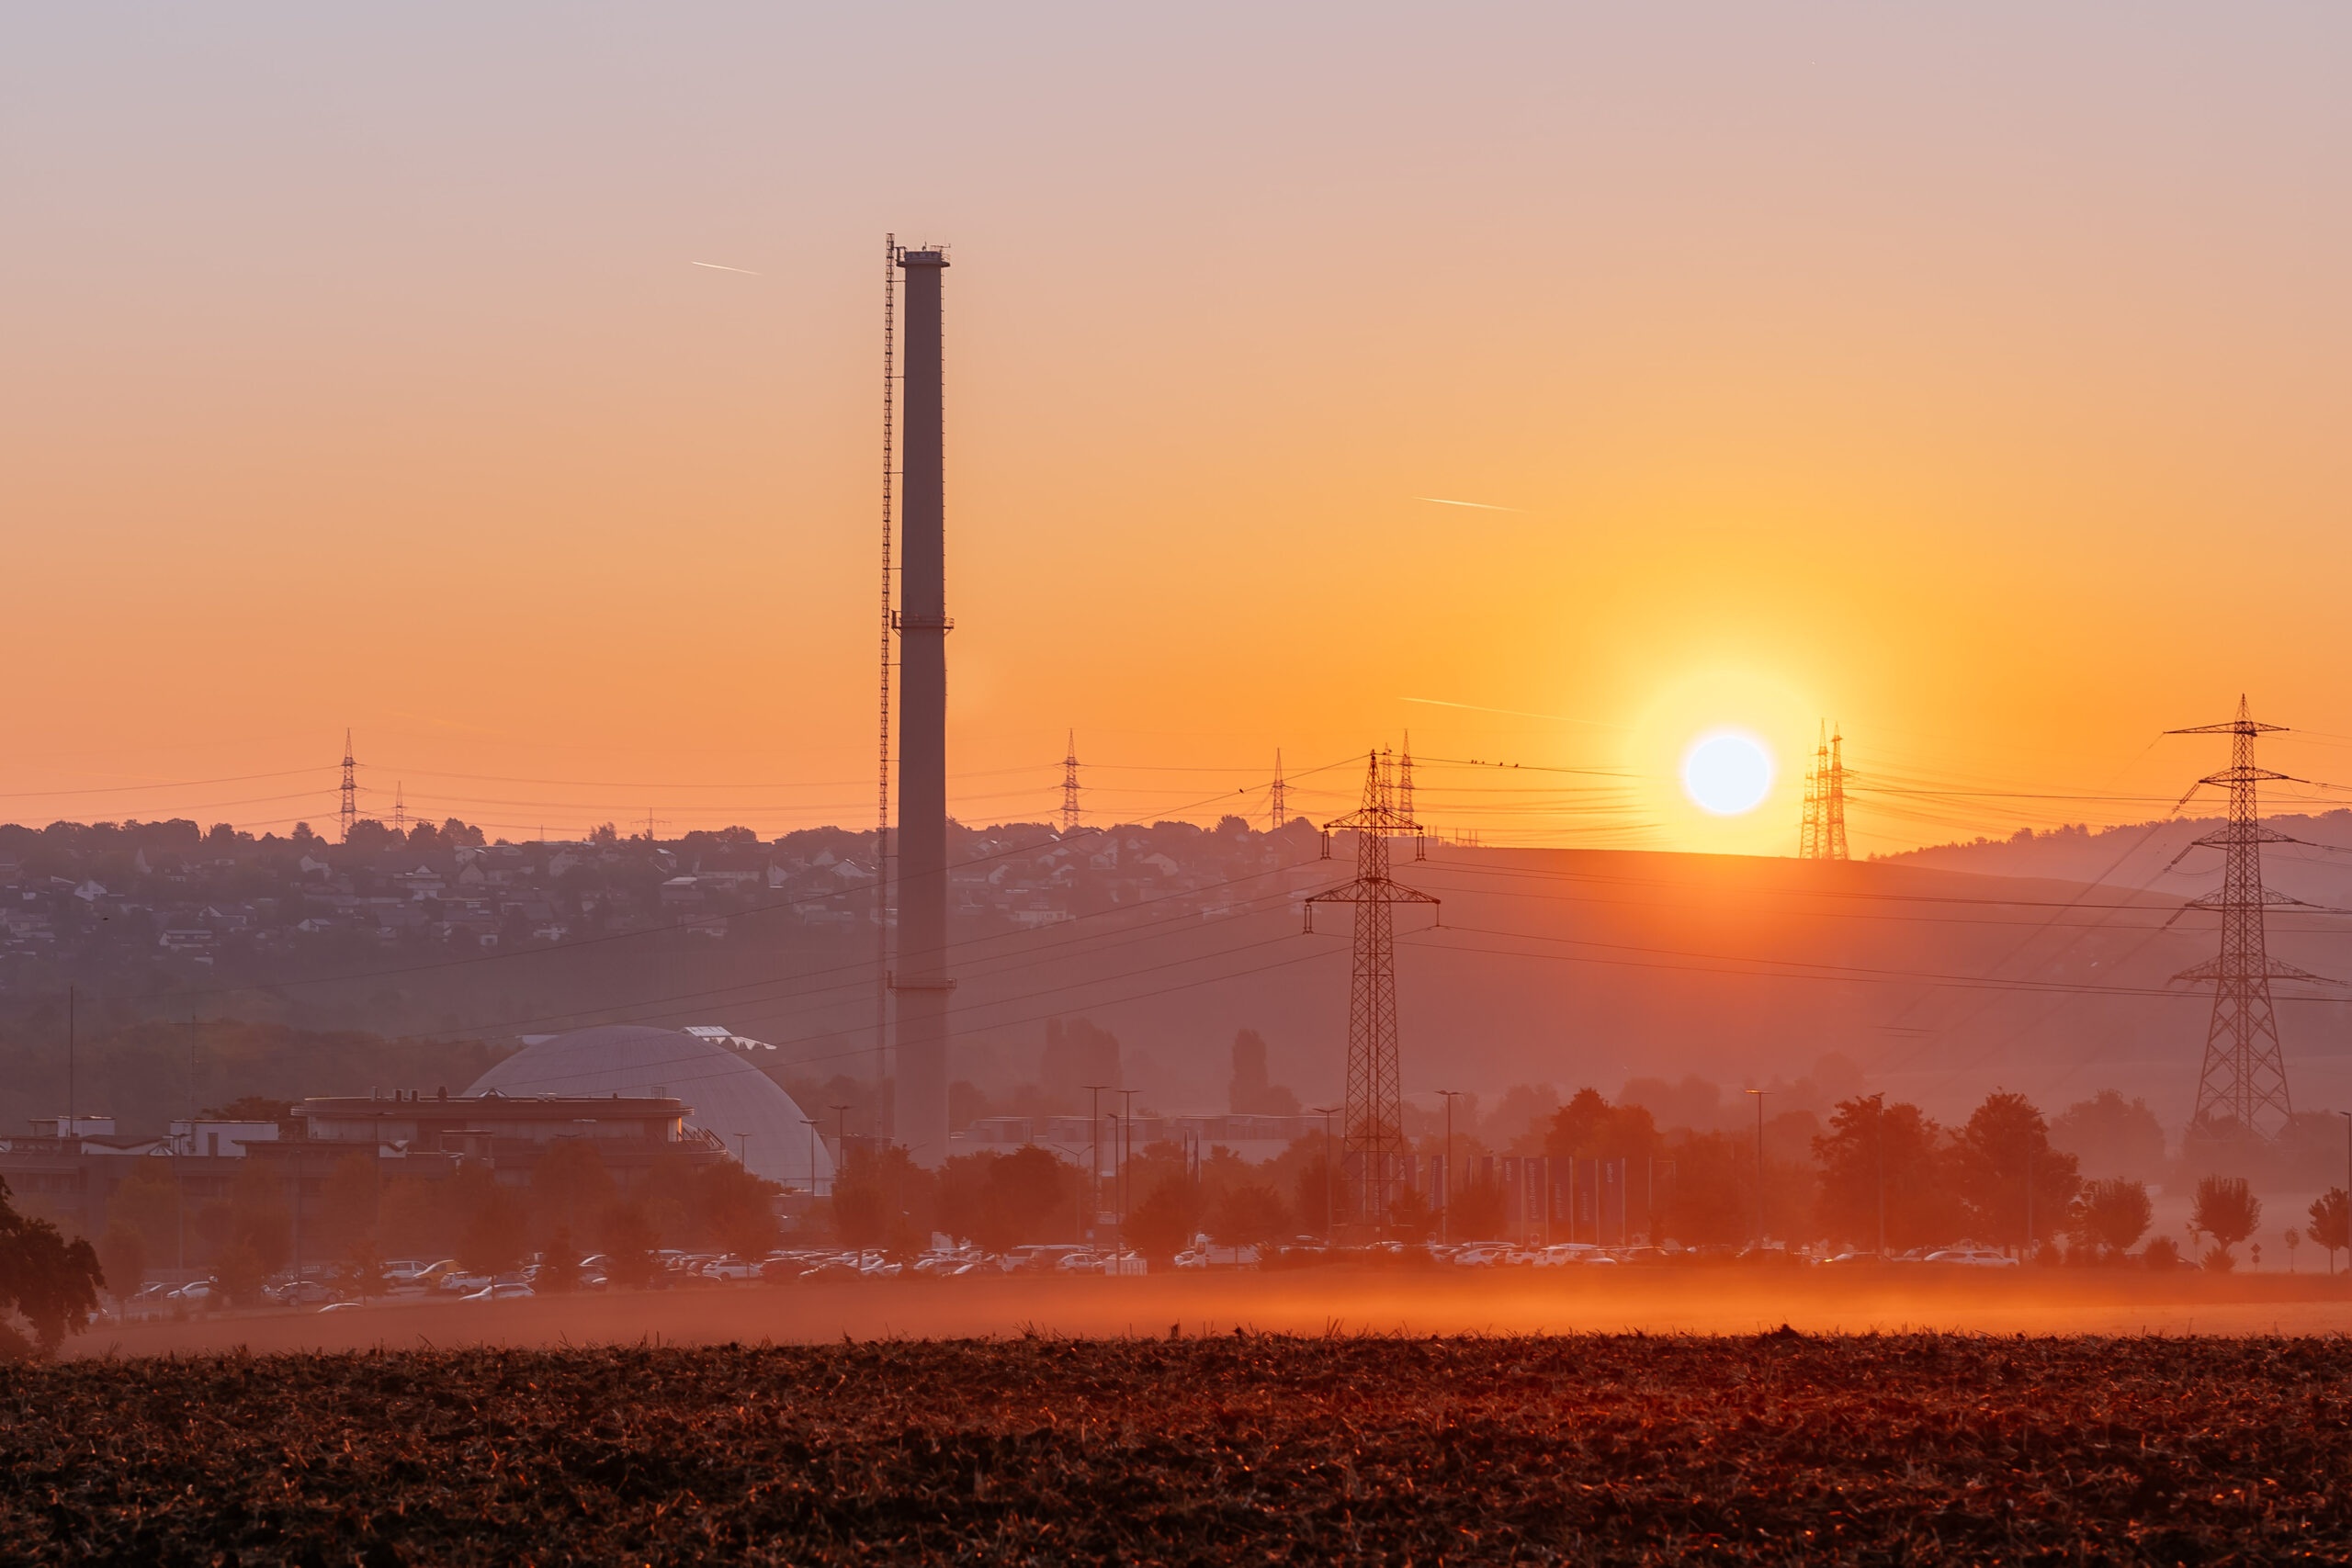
pixel 742 1106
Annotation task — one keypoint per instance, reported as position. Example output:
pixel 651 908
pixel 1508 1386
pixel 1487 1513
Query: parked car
pixel 464 1284
pixel 497 1293
pixel 1973 1257
pixel 731 1269
pixel 1565 1254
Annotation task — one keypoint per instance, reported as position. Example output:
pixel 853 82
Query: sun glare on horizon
pixel 1727 773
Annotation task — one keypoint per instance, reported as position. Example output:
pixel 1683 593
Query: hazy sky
pixel 1976 375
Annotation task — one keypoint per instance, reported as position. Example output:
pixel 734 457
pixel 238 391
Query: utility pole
pixel 1374 1126
pixel 1070 787
pixel 1123 1151
pixel 1330 1215
pixel 1445 1215
pixel 1278 806
pixel 1878 1125
pixel 2242 1087
pixel 1759 1171
pixel 1094 1157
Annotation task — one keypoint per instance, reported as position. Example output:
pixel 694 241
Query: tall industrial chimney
pixel 921 1113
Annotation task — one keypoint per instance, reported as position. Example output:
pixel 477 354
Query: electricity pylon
pixel 1375 1110
pixel 1823 836
pixel 348 810
pixel 1070 787
pixel 2243 1086
pixel 1278 800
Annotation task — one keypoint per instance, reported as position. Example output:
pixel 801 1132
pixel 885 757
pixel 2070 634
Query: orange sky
pixel 1976 379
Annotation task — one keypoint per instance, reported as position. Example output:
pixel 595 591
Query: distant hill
pixel 2158 857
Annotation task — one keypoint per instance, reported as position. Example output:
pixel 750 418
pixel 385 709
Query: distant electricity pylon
pixel 1374 1110
pixel 1278 798
pixel 350 810
pixel 1823 836
pixel 400 810
pixel 2243 1085
pixel 1070 787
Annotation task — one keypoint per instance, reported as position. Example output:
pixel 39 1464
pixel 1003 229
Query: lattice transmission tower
pixel 350 808
pixel 1278 797
pixel 2242 1089
pixel 1070 787
pixel 1823 836
pixel 1375 1110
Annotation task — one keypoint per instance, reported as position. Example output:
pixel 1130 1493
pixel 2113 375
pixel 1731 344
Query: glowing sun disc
pixel 1727 773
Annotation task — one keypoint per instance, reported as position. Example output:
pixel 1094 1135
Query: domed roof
pixel 726 1095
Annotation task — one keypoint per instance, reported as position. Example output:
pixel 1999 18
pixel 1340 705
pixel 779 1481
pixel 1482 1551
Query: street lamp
pixel 1445 1215
pixel 812 1127
pixel 1760 1172
pixel 1125 1152
pixel 1331 1219
pixel 1094 1158
pixel 743 1143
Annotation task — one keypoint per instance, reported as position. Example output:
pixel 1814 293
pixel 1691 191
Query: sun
pixel 1728 771
pixel 1712 751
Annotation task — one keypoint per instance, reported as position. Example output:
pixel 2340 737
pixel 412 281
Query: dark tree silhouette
pixel 49 1281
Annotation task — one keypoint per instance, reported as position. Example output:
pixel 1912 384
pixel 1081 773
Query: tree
pixel 2005 1146
pixel 241 1272
pixel 2329 1211
pixel 147 1201
pixel 347 1207
pixel 1589 1127
pixel 122 1256
pixel 2162 1254
pixel 2225 1209
pixel 2111 1136
pixel 570 1187
pixel 2109 1214
pixel 256 1216
pixel 1875 1150
pixel 1410 1218
pixel 492 1237
pixel 362 1269
pixel 415 1219
pixel 1248 1092
pixel 871 1200
pixel 1477 1211
pixel 558 1272
pixel 50 1282
pixel 738 1210
pixel 629 1243
pixel 1249 1215
pixel 250 1107
pixel 1312 1194
pixel 1163 1225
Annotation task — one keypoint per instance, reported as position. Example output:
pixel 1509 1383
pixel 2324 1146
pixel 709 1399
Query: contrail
pixel 1516 713
pixel 721 266
pixel 1483 506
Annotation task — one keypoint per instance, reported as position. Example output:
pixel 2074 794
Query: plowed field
pixel 1621 1448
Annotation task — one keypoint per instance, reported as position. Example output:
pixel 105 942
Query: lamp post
pixel 1760 1172
pixel 1123 1151
pixel 742 1147
pixel 1094 1159
pixel 805 1122
pixel 1878 1125
pixel 1330 1219
pixel 1445 1215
